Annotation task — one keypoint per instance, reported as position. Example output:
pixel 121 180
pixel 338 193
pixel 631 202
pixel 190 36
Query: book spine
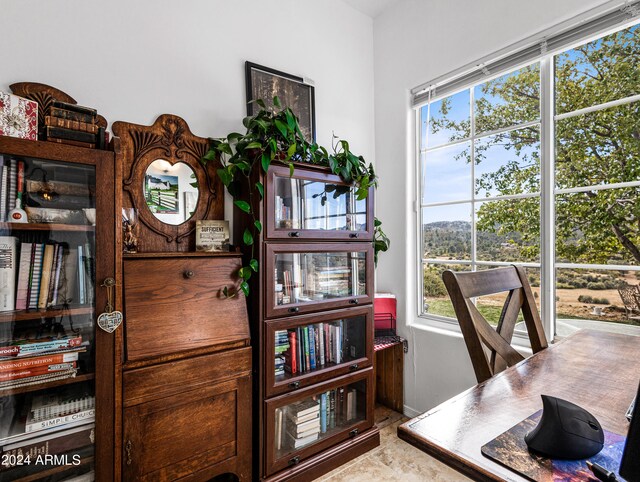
pixel 39 361
pixel 20 180
pixel 64 442
pixel 307 361
pixel 30 348
pixel 293 346
pixel 35 371
pixel 8 258
pixel 74 108
pixel 60 133
pixel 88 415
pixel 4 192
pixel 56 286
pixel 80 275
pixel 299 349
pixel 45 278
pixel 68 114
pixel 89 273
pixel 35 279
pixel 23 278
pixel 71 124
pixel 312 347
pixel 13 185
pixel 323 412
pixel 69 142
pixel 321 340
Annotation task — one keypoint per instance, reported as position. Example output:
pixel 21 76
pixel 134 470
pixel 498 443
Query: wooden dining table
pixel 597 370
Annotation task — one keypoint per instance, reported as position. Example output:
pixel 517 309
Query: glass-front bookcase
pixel 307 349
pixel 316 205
pixel 317 417
pixel 48 345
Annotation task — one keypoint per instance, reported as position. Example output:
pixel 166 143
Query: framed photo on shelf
pixel 265 83
pixel 212 235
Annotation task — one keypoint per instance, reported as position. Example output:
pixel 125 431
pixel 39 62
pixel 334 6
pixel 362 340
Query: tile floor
pixel 393 460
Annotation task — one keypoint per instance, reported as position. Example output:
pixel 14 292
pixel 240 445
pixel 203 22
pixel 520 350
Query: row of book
pixel 73 124
pixel 11 185
pixel 303 422
pixel 55 422
pixel 48 275
pixel 309 347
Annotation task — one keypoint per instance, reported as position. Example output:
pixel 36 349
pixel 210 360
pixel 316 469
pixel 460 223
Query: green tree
pixel 596 148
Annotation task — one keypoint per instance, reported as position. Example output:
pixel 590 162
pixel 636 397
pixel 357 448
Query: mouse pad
pixel 509 449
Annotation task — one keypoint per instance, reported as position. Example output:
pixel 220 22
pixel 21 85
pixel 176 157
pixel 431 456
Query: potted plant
pixel 276 137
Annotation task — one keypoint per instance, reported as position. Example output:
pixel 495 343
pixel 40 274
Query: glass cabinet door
pixel 315 205
pixel 312 277
pixel 303 350
pixel 47 331
pixel 322 415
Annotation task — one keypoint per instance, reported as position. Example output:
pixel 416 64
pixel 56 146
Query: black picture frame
pixel 630 463
pixel 265 83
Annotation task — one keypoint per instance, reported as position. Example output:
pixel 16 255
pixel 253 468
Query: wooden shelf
pixel 46 227
pixel 9 316
pixel 53 151
pixel 179 254
pixel 46 385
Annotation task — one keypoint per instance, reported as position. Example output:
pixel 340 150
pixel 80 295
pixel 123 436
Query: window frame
pixel 547 194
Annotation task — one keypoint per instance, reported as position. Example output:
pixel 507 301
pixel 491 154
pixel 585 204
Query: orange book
pixel 38 370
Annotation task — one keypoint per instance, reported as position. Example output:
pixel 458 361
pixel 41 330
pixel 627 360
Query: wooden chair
pixel 463 287
pixel 630 296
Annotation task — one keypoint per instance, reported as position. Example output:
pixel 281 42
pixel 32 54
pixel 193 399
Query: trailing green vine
pixel 276 137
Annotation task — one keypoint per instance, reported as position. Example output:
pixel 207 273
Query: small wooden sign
pixel 212 235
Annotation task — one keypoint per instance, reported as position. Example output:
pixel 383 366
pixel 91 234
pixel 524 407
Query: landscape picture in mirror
pixel 170 191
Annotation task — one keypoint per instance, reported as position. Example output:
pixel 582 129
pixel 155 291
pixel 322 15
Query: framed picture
pixel 265 83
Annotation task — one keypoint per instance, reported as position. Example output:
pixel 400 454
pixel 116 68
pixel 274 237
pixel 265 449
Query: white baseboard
pixel 410 412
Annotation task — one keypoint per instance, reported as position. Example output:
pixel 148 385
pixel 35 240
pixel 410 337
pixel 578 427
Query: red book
pixel 35 371
pixel 37 361
pixel 290 354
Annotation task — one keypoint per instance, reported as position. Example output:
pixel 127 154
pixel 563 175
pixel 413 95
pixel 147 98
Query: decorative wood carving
pixel 44 95
pixel 168 138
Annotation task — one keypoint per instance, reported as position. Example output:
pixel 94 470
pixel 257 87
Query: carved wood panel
pixel 168 138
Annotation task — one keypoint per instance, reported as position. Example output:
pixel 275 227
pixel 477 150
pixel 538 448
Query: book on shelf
pixel 34 277
pixel 21 363
pixel 278 428
pixel 351 404
pixel 49 443
pixel 33 346
pixel 67 112
pixel 8 270
pixel 45 279
pixel 70 124
pixel 62 134
pixel 70 404
pixel 75 108
pixel 303 410
pixel 312 346
pixel 296 443
pixel 23 276
pixel 38 379
pixel 36 371
pixel 295 433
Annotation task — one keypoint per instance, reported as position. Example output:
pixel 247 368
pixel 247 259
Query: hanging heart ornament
pixel 109 322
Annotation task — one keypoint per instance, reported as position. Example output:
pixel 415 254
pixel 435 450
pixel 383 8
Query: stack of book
pixel 48 275
pixel 314 346
pixel 11 185
pixel 303 423
pixel 281 346
pixel 59 422
pixel 30 361
pixel 73 124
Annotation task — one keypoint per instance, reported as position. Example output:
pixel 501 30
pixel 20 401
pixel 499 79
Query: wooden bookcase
pixel 66 312
pixel 316 281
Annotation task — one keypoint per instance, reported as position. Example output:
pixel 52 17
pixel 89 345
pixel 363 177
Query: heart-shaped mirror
pixel 170 191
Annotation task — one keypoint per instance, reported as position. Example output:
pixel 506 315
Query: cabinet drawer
pixel 175 304
pixel 308 277
pixel 315 205
pixel 308 349
pixel 306 422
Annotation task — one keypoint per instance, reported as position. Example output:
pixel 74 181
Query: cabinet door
pixel 302 278
pixel 191 415
pixel 55 397
pixel 311 420
pixel 315 205
pixel 304 350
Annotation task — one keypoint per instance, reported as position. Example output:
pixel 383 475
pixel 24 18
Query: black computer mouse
pixel 565 431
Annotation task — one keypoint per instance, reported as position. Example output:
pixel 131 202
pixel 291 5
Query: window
pixel 486 180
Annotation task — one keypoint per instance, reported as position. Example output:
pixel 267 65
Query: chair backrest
pixel 630 296
pixel 465 286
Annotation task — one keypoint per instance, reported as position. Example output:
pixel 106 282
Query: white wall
pixel 415 42
pixel 135 60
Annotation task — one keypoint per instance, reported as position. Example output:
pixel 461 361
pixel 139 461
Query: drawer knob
pixel 353 433
pixel 353 367
pixel 354 302
pixel 294 234
pixel 188 274
pixel 294 384
pixel 294 309
pixel 353 235
pixel 294 460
